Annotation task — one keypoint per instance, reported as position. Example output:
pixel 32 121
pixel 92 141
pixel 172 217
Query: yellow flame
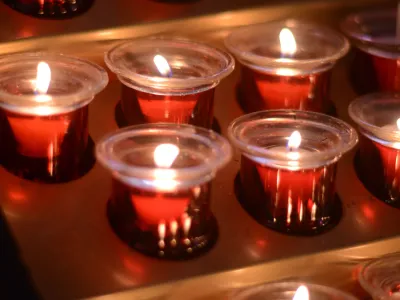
pixel 165 155
pixel 301 293
pixel 288 42
pixel 398 123
pixel 294 140
pixel 43 78
pixel 162 65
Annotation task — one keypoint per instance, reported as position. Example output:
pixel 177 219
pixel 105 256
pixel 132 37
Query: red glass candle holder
pixel 168 80
pixel 160 203
pixel 290 68
pixel 376 63
pixel 378 117
pixel 51 9
pixel 44 106
pixel 287 173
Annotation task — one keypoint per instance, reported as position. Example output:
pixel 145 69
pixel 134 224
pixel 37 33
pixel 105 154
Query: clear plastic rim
pixel 354 28
pixel 253 60
pixel 376 293
pixel 71 101
pixel 245 293
pixel 348 134
pixel 130 77
pixel 204 172
pixel 381 135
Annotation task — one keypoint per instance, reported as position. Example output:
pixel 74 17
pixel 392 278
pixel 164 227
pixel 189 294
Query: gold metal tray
pixel 64 235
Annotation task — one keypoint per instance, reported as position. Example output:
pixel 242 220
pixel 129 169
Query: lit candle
pixel 290 290
pixel 45 101
pixel 376 65
pixel 292 71
pixel 40 135
pixel 160 203
pixel 287 182
pixel 168 80
pixel 377 117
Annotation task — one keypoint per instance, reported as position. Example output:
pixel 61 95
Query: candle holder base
pixel 201 239
pixel 260 214
pixel 58 170
pixel 51 9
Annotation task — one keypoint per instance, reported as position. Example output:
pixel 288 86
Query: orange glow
pixel 368 212
pixel 17 196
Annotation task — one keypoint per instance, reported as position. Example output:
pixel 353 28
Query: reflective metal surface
pixel 72 253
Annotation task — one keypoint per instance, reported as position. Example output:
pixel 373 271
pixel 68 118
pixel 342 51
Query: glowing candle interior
pixel 155 209
pixel 167 109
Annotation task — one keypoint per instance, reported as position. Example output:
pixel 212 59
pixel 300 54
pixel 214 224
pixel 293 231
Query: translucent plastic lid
pixel 375 32
pixel 270 47
pixel 46 84
pixel 378 116
pixel 157 64
pixel 287 291
pixel 381 277
pixel 163 156
pixel 292 139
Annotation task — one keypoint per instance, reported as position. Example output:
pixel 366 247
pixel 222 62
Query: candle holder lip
pixel 76 82
pixel 194 64
pixel 286 290
pixel 324 139
pixel 212 152
pixel 374 32
pixel 380 277
pixel 373 112
pixel 252 49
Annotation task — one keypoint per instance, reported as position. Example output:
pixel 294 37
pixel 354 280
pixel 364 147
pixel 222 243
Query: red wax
pixel 155 208
pixel 301 201
pixel 371 73
pixel 163 224
pixel 262 91
pixel 44 148
pixel 39 136
pixel 140 107
pixel 380 170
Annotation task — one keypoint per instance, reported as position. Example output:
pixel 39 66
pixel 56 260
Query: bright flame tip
pixel 162 65
pixel 287 41
pixel 294 140
pixel 301 293
pixel 43 78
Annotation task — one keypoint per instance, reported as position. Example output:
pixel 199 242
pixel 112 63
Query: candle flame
pixel 165 155
pixel 43 78
pixel 294 140
pixel 398 123
pixel 301 293
pixel 162 65
pixel 288 42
